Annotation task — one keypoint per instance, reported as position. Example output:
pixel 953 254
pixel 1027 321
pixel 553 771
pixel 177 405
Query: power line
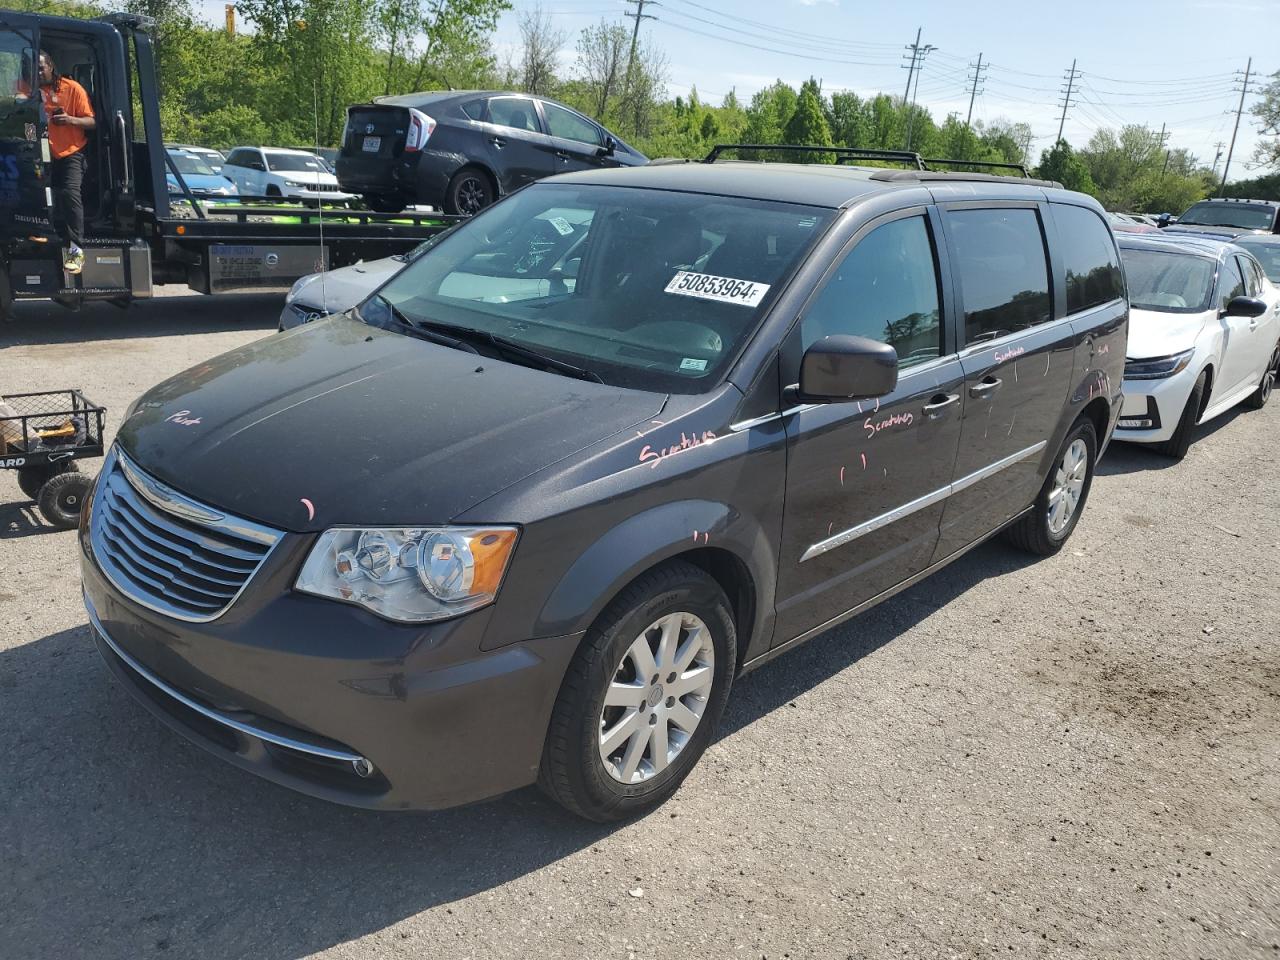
pixel 1244 90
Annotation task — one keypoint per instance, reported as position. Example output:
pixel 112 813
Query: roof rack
pixel 850 154
pixel 842 153
pixel 919 176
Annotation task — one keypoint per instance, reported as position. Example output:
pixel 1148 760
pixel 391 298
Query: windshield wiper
pixel 513 348
pixel 426 329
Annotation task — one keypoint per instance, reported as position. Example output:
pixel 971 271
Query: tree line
pixel 288 78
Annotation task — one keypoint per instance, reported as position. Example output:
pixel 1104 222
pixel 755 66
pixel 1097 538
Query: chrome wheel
pixel 656 698
pixel 1068 484
pixel 473 195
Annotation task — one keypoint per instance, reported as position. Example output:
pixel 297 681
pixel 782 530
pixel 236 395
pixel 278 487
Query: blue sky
pixel 1152 61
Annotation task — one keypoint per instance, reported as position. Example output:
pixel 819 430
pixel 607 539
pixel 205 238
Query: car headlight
pixel 1157 368
pixel 297 287
pixel 414 574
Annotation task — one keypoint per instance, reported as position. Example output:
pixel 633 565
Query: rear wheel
pixel 1178 444
pixel 469 192
pixel 1057 509
pixel 62 497
pixel 1258 399
pixel 31 479
pixel 640 702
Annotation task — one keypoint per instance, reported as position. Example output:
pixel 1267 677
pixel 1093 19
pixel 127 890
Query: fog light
pixel 1134 423
pixel 363 768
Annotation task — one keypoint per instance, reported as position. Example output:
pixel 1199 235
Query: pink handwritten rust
pixel 182 418
pixel 1010 354
pixel 311 509
pixel 893 420
pixel 687 442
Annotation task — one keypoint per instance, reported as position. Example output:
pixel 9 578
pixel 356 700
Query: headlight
pixel 297 287
pixel 1157 368
pixel 413 574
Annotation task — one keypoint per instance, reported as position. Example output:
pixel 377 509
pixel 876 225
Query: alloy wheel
pixel 656 698
pixel 471 196
pixel 1068 484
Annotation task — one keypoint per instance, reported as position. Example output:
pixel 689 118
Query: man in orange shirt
pixel 70 118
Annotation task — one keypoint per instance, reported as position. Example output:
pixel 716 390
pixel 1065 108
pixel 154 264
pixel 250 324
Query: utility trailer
pixel 133 238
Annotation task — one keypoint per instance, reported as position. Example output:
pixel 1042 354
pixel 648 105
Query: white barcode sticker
pixel 562 226
pixel 722 289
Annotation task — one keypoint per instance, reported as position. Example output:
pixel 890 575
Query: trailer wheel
pixel 31 479
pixel 62 497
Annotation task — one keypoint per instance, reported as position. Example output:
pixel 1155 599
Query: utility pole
pixel 1244 90
pixel 1066 102
pixel 1217 156
pixel 978 71
pixel 918 53
pixel 1160 145
pixel 638 15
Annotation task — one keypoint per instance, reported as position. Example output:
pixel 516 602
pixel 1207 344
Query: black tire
pixel 573 772
pixel 469 192
pixel 62 497
pixel 1035 532
pixel 273 190
pixel 31 479
pixel 1258 399
pixel 383 204
pixel 1176 446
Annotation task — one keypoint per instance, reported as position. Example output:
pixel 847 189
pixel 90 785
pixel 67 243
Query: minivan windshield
pixel 1246 216
pixel 1167 281
pixel 650 289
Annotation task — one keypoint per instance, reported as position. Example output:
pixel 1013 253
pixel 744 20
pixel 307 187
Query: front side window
pixel 569 126
pixel 1003 269
pixel 1252 276
pixel 515 112
pixel 1168 281
pixel 473 110
pixel 1093 267
pixel 1217 213
pixel 1230 283
pixel 885 289
pixel 656 290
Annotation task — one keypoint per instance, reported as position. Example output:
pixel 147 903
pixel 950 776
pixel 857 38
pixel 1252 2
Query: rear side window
pixel 885 289
pixel 515 112
pixel 1093 267
pixel 474 110
pixel 1004 273
pixel 1230 283
pixel 569 126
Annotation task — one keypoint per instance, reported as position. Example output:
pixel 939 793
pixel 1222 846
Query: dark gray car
pixel 458 151
pixel 527 512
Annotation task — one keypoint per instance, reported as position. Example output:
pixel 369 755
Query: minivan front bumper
pixel 334 702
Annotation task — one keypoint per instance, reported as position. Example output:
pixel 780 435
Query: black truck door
pixel 24 150
pixel 867 480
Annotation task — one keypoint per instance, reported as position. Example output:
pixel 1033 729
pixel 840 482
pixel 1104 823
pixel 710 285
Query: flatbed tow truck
pixel 134 238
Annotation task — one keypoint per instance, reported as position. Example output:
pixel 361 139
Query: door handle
pixel 562 155
pixel 985 388
pixel 941 402
pixel 498 141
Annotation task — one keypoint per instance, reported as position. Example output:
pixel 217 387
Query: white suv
pixel 279 172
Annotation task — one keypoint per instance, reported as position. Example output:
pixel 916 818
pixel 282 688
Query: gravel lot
pixel 1073 757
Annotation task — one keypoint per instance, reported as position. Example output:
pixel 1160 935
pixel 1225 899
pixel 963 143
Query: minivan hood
pixel 367 426
pixel 1153 333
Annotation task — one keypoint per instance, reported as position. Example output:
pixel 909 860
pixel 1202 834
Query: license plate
pixel 372 144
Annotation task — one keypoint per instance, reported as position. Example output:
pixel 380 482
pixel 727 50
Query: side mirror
pixel 1163 220
pixel 842 368
pixel 610 145
pixel 1245 307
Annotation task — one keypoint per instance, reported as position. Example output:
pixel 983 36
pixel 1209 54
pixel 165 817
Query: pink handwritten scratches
pixel 311 509
pixel 1103 350
pixel 1010 354
pixel 893 420
pixel 864 460
pixel 182 418
pixel 687 442
pixel 706 537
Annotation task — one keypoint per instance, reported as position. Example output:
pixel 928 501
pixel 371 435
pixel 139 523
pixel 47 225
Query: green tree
pixel 1267 110
pixel 769 112
pixel 1060 163
pixel 808 125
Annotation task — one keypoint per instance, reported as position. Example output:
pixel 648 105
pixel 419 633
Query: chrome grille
pixel 168 552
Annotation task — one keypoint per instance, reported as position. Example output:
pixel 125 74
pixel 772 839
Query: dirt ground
pixel 1071 757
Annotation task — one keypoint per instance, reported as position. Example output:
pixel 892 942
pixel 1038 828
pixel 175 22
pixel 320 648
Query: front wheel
pixel 1177 445
pixel 641 700
pixel 1057 509
pixel 1258 399
pixel 469 192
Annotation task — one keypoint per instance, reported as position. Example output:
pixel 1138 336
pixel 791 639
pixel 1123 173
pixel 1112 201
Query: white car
pixel 1204 335
pixel 279 172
